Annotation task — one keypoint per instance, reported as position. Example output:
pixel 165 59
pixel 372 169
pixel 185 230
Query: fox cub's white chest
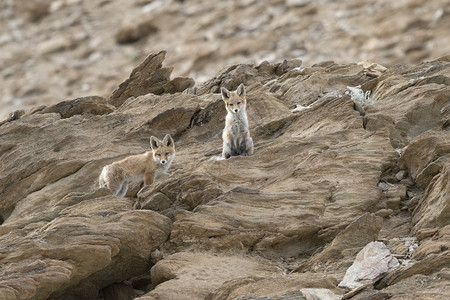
pixel 237 124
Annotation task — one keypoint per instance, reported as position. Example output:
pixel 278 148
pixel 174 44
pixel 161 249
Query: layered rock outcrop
pixel 329 175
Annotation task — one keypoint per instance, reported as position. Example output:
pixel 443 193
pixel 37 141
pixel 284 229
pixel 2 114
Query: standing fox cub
pixel 119 174
pixel 236 136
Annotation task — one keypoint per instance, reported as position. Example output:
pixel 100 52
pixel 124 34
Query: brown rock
pixel 86 105
pixel 401 174
pixel 194 276
pixel 178 84
pixel 104 243
pixel 287 65
pixel 394 195
pixel 425 266
pixel 132 33
pixel 148 77
pixel 174 194
pixel 296 286
pixel 407 119
pixel 416 287
pixel 428 162
pixel 13 116
pixel 372 69
pixel 384 213
pixel 354 237
pixel 426 233
pixel 426 155
pixel 432 242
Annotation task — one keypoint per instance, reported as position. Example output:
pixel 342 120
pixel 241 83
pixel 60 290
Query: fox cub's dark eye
pixel 239 103
pixel 167 153
pixel 231 104
pixel 159 154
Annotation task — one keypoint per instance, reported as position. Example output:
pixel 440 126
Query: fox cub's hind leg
pixel 246 147
pixel 122 190
pixel 114 178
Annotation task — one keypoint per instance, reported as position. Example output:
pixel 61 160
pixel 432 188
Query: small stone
pixel 397 191
pixel 397 246
pixel 412 193
pixel 287 65
pixel 444 274
pixel 156 256
pixel 408 181
pixel 384 213
pixel 318 293
pixel 393 202
pixel 384 186
pixel 401 174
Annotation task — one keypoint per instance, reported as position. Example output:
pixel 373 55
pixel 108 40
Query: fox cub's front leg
pixel 226 152
pixel 149 177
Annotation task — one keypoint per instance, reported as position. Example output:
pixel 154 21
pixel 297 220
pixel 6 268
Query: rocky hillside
pixel 343 178
pixel 55 50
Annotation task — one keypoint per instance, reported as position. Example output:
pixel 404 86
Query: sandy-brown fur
pixel 146 166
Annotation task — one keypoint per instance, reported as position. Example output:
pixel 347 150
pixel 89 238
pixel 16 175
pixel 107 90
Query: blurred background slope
pixel 54 50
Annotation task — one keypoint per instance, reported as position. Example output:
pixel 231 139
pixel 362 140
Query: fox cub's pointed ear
pixel 241 90
pixel 154 142
pixel 168 141
pixel 225 93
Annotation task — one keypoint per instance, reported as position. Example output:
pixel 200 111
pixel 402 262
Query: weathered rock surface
pixel 341 251
pixel 324 181
pixel 87 105
pixel 84 244
pixel 195 276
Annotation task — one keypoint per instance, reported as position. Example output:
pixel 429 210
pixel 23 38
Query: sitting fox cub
pixel 119 174
pixel 236 136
